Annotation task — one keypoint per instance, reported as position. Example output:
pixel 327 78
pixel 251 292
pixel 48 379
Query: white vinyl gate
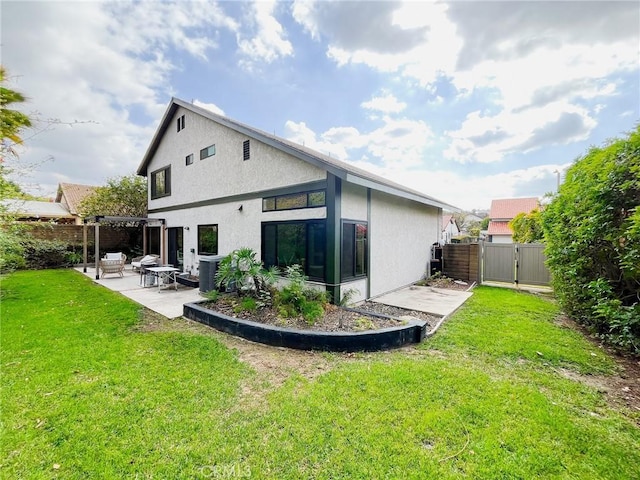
pixel 519 263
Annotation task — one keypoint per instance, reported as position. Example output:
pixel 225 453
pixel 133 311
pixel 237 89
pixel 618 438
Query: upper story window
pixel 180 123
pixel 188 160
pixel 294 201
pixel 161 182
pixel 246 152
pixel 207 152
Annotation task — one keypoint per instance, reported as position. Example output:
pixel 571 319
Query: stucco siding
pixel 236 228
pixel 354 202
pixel 225 173
pixel 401 233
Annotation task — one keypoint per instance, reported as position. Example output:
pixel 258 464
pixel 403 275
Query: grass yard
pixel 87 392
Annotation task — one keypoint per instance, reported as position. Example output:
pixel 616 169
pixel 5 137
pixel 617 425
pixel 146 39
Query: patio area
pixel 167 301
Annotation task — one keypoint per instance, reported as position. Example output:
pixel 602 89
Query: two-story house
pixel 220 185
pixel 502 212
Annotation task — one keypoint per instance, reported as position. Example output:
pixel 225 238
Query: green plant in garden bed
pixel 89 390
pixel 295 298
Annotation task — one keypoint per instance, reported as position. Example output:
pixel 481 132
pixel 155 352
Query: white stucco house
pixel 220 185
pixel 450 229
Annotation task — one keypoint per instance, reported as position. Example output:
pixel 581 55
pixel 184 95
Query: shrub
pixel 41 254
pixel 592 231
pixel 11 252
pixel 296 299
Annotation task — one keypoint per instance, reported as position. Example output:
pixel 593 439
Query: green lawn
pixel 86 394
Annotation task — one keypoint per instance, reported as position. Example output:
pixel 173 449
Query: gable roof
pixel 507 208
pixel 72 194
pixel 499 228
pixel 448 219
pixel 338 168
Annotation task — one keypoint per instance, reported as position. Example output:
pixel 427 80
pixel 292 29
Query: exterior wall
pixel 501 239
pixel 236 228
pixel 224 173
pixel 354 202
pixel 400 237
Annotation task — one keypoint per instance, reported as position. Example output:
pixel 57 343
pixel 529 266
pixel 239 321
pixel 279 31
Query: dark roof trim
pixel 338 168
pixel 114 219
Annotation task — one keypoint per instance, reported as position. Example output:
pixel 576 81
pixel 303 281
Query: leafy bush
pixel 45 253
pixel 11 252
pixel 296 299
pixel 592 230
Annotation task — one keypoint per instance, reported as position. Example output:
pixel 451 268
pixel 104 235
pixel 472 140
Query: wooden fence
pixel 461 261
pixel 110 238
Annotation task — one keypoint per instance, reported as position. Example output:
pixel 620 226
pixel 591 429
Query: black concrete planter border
pixel 188 282
pixel 413 331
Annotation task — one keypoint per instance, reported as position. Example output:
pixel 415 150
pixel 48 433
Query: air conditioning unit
pixel 208 266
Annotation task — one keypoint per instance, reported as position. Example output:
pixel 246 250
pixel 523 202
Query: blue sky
pixel 465 101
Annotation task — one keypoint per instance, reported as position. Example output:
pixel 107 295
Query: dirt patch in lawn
pixel 622 388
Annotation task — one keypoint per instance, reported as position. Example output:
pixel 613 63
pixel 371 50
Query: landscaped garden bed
pixel 297 316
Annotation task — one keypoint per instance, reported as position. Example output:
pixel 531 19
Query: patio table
pixel 163 274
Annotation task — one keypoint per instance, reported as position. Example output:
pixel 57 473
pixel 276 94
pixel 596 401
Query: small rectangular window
pixel 180 123
pixel 246 153
pixel 207 239
pixel 207 152
pixel 188 160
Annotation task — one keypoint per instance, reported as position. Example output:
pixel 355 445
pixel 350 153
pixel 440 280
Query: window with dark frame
pixel 180 123
pixel 207 239
pixel 161 183
pixel 207 152
pixel 246 153
pixel 354 250
pixel 294 201
pixel 188 160
pixel 296 242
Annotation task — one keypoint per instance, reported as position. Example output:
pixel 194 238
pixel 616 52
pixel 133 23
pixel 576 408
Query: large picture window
pixel 354 250
pixel 300 242
pixel 161 182
pixel 207 239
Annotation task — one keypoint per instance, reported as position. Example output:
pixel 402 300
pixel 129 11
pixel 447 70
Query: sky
pixel 464 101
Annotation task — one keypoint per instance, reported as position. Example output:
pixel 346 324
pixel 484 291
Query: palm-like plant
pixel 242 270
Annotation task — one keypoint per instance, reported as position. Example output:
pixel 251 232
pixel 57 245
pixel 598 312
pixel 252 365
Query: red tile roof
pixel 446 219
pixel 72 194
pixel 507 208
pixel 499 228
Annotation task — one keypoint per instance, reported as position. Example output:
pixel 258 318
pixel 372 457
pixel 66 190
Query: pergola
pixel 99 219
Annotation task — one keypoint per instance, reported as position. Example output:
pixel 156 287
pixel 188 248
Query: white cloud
pixel 98 63
pixel 209 106
pixel 488 138
pixel 269 41
pixel 386 103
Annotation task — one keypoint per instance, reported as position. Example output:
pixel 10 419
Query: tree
pixel 592 230
pixel 12 122
pixel 527 227
pixel 484 224
pixel 122 196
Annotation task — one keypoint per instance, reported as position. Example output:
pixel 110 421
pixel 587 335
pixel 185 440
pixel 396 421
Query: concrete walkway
pixel 437 301
pixel 167 301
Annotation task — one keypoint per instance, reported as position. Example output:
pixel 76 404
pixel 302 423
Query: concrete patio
pixel 437 301
pixel 167 301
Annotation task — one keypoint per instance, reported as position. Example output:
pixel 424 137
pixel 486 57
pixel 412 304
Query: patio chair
pixel 148 260
pixel 112 263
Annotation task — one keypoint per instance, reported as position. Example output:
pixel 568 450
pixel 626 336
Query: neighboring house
pixel 70 195
pixel 37 211
pixel 220 185
pixel 502 212
pixel 450 228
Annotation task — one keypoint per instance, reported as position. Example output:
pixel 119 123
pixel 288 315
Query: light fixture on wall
pixel 186 228
pixel 240 208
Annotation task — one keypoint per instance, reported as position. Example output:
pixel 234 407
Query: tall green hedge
pixel 592 231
